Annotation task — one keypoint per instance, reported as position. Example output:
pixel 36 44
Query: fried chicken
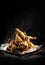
pixel 21 42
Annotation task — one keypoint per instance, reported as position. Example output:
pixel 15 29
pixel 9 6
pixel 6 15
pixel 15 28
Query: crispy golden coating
pixel 21 42
pixel 21 33
pixel 18 38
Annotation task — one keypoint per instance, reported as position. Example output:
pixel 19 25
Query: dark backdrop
pixel 28 16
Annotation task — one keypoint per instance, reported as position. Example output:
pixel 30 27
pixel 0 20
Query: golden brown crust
pixel 18 38
pixel 21 33
pixel 21 42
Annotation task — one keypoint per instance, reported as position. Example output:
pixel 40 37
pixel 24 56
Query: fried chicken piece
pixel 21 33
pixel 11 47
pixel 18 38
pixel 23 46
pixel 30 37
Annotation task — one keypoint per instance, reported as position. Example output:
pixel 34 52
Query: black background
pixel 28 16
